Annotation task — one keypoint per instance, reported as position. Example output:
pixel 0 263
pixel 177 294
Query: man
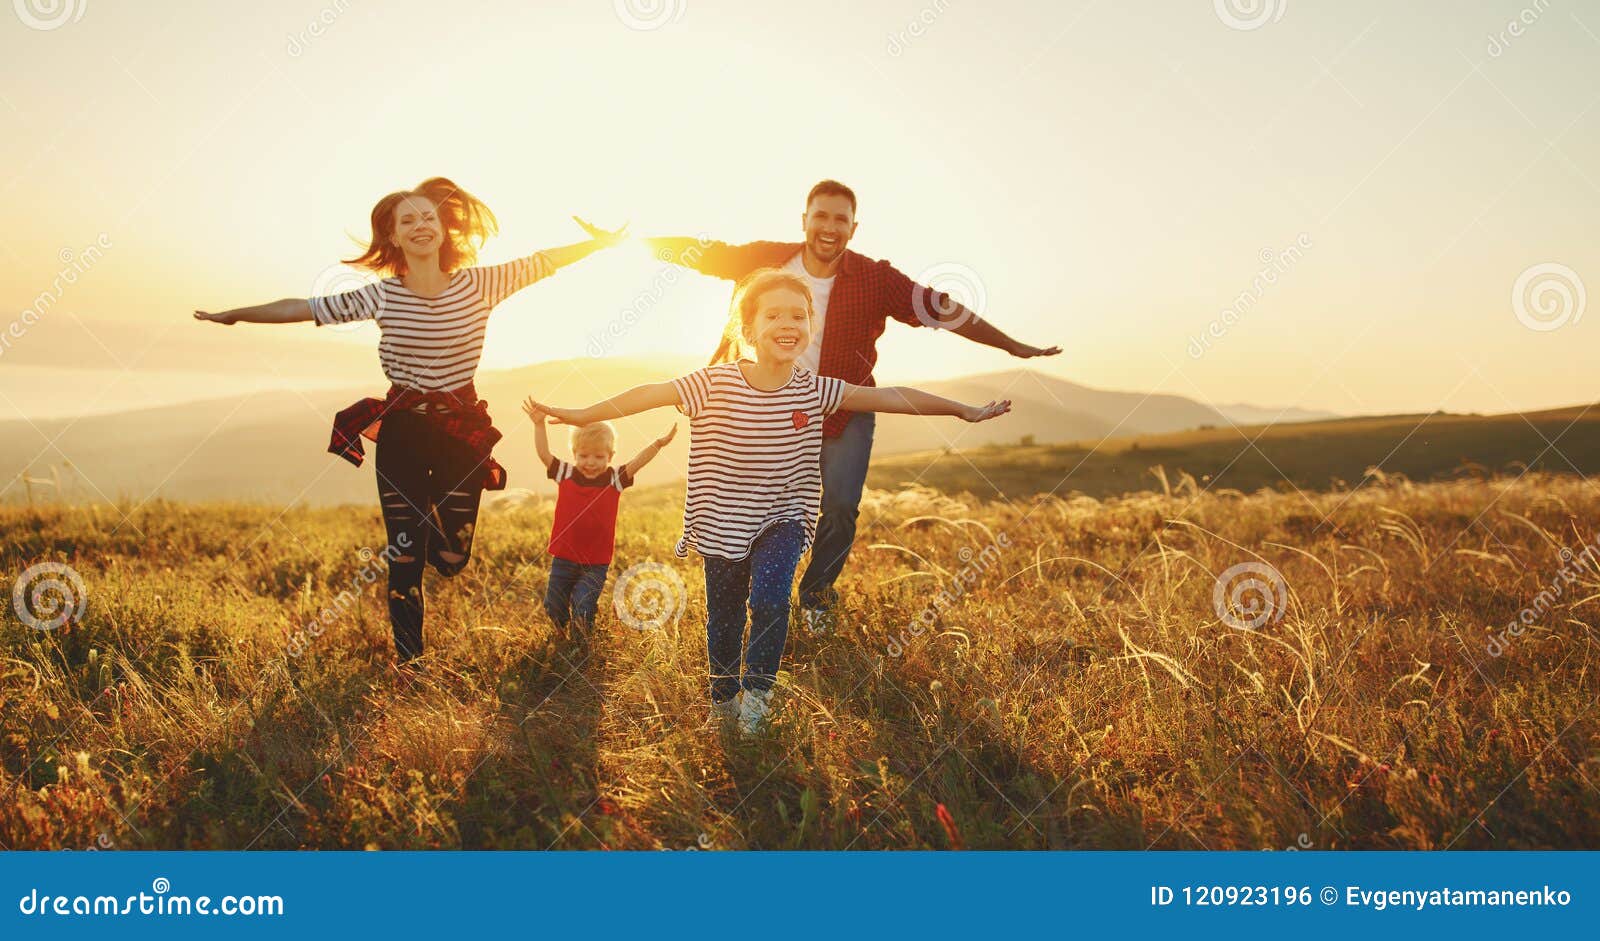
pixel 854 296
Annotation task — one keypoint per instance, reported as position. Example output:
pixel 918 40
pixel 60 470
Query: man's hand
pixel 604 236
pixel 1024 351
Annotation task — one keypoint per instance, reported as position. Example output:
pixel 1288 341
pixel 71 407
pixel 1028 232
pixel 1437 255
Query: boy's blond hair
pixel 600 433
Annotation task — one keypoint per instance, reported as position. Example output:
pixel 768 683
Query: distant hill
pixel 1309 456
pixel 1242 414
pixel 271 446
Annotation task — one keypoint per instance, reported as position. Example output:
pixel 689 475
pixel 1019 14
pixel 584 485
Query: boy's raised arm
pixel 541 437
pixel 649 451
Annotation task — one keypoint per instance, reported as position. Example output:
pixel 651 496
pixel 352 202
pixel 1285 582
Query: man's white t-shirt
pixel 811 359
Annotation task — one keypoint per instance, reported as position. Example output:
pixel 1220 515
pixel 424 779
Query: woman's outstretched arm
pixel 288 310
pixel 632 402
pixel 598 238
pixel 907 401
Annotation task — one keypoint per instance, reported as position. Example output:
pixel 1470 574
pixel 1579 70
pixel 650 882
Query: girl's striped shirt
pixel 432 343
pixel 755 457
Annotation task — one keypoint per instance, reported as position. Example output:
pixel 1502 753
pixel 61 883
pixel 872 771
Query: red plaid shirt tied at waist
pixel 458 413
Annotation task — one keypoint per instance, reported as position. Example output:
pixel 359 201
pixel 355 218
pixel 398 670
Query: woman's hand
pixel 227 317
pixel 538 411
pixel 977 413
pixel 605 237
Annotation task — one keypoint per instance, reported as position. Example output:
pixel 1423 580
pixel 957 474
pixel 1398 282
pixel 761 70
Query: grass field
pixel 1045 673
pixel 1317 455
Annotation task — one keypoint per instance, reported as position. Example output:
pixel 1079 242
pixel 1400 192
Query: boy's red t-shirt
pixel 585 528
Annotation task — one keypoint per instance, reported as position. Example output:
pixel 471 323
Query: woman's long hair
pixel 742 312
pixel 466 221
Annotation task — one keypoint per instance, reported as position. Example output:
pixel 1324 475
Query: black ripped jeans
pixel 429 486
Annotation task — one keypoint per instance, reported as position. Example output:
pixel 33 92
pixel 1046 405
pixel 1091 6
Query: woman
pixel 755 477
pixel 434 435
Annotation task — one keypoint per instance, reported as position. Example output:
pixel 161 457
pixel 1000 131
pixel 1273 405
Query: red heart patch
pixel 800 419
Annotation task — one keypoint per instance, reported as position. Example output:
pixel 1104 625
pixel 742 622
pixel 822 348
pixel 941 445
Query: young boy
pixel 583 536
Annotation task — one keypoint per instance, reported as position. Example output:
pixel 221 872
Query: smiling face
pixel 590 458
pixel 781 328
pixel 830 223
pixel 417 230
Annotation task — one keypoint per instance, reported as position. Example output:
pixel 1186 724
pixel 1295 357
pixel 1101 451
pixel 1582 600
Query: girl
pixel 433 433
pixel 755 478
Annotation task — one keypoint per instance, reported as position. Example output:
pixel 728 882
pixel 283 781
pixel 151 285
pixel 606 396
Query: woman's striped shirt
pixel 432 343
pixel 755 457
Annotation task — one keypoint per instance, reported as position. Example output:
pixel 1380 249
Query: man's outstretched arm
pixel 915 304
pixel 978 330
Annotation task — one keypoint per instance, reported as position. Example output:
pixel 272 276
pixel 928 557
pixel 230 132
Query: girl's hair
pixel 599 432
pixel 742 313
pixel 465 219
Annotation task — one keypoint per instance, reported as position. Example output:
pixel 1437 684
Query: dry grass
pixel 1080 692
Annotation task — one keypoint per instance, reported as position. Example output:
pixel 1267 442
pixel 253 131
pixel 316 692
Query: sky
pixel 1359 206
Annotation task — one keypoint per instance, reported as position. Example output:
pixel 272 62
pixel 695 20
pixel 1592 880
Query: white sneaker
pixel 755 711
pixel 817 621
pixel 724 714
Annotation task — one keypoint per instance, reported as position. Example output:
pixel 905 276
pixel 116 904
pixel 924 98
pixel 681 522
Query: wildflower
pixel 949 827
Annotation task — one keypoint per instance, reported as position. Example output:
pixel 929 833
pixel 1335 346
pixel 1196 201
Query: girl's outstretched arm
pixel 288 310
pixel 907 401
pixel 632 402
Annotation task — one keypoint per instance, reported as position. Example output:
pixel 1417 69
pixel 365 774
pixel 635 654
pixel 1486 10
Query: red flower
pixel 949 827
pixel 606 807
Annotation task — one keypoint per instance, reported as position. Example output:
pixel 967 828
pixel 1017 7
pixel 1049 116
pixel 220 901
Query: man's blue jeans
pixel 844 476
